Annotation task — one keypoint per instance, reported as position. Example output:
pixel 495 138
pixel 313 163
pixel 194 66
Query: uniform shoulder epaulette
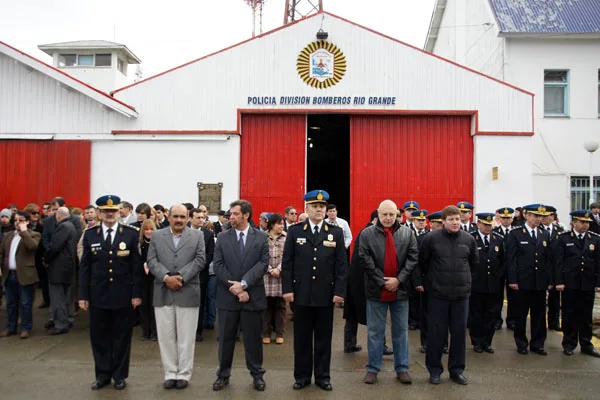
pixel 135 228
pixel 498 234
pixel 516 227
pixel 563 232
pixel 594 233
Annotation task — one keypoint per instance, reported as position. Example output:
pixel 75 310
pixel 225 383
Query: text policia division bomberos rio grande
pixel 320 100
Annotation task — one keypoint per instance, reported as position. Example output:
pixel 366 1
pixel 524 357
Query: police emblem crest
pixel 321 65
pixel 592 247
pixel 122 246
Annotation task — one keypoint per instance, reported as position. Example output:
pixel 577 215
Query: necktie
pixel 464 227
pixel 533 234
pixel 486 242
pixel 506 232
pixel 241 243
pixel 316 230
pixel 108 239
pixel 580 237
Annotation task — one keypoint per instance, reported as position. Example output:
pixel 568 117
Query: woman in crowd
pixel 275 312
pixel 146 309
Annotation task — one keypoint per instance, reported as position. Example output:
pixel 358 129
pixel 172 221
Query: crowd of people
pixel 170 270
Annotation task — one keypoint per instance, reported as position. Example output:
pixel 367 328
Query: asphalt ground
pixel 61 367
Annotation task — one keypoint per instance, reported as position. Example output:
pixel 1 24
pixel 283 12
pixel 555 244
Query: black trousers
pixel 203 301
pixel 110 333
pixel 350 332
pixel 424 318
pixel 251 324
pixel 147 319
pixel 483 307
pixel 511 299
pixel 312 324
pixel 43 282
pixel 498 314
pixel 414 309
pixel 577 319
pixel 554 308
pixel 443 315
pixel 534 303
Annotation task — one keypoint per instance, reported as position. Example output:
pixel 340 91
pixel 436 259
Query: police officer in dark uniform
pixel 419 218
pixel 577 257
pixel 466 212
pixel 506 219
pixel 530 273
pixel 487 284
pixel 314 280
pixel 109 279
pixel 409 207
pixel 553 229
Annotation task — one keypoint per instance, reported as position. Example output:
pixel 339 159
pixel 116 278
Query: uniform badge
pixel 497 249
pixel 330 238
pixel 592 247
pixel 544 243
pixel 123 246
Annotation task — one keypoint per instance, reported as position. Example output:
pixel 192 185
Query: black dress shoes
pixel 568 352
pixel 170 384
pixel 44 305
pixel 434 379
pixel 325 385
pixel 220 383
pixel 259 384
pixel 353 349
pixel 55 331
pixel 591 352
pixel 510 326
pixel 555 328
pixel 181 384
pixel 423 349
pixel 522 351
pixel 301 384
pixel 120 385
pixel 99 384
pixel 445 350
pixel 478 349
pixel 540 351
pixel 489 349
pixel 459 378
pixel 199 338
pixel 387 351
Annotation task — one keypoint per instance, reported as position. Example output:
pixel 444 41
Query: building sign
pixel 321 65
pixel 209 194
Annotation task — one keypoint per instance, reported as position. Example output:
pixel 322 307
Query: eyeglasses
pixel 35 213
pixel 293 213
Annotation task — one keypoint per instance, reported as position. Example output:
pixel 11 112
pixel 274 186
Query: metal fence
pixel 580 191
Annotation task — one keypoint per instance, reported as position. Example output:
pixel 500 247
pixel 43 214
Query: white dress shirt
pixel 245 231
pixel 12 253
pixel 345 227
pixel 112 233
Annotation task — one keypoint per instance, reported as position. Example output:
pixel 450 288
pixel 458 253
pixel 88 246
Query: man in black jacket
pixel 447 258
pixel 61 258
pixel 388 254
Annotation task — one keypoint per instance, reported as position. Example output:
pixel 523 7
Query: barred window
pixel 580 192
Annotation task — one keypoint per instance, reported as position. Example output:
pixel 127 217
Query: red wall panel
pixel 35 171
pixel 273 162
pixel 428 159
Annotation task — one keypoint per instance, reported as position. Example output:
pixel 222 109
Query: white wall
pixel 207 94
pixel 511 154
pixel 165 172
pixel 558 151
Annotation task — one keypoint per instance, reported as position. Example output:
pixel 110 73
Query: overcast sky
pixel 164 34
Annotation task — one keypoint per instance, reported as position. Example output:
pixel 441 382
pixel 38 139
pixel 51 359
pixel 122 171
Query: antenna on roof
pixel 298 9
pixel 257 7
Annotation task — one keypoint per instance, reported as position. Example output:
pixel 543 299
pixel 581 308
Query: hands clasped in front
pixel 237 290
pixel 174 282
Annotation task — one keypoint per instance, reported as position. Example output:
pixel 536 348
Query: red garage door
pixel 273 162
pixel 428 159
pixel 35 171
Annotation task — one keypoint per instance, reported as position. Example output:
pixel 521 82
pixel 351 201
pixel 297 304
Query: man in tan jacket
pixel 17 267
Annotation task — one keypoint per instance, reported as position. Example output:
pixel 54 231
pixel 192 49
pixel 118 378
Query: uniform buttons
pixel 536 268
pixel 314 268
pixel 582 263
pixel 315 259
pixel 110 261
pixel 110 252
pixel 489 273
pixel 314 277
pixel 111 279
pixel 582 269
pixel 294 281
pixel 315 249
pixel 489 260
pixel 110 270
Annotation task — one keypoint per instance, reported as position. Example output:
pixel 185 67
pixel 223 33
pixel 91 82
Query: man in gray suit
pixel 240 263
pixel 175 258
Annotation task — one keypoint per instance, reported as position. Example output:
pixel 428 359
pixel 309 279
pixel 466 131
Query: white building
pixel 551 48
pixel 359 114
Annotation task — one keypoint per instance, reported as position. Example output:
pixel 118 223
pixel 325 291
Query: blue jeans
pixel 376 321
pixel 17 295
pixel 210 313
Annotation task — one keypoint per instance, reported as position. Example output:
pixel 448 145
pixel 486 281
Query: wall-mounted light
pixel 322 35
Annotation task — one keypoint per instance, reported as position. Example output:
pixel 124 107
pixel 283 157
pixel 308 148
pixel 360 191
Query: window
pixel 67 60
pixel 85 60
pixel 580 192
pixel 556 93
pixel 103 60
pixel 121 66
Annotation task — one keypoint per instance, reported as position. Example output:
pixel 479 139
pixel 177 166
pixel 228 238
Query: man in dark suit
pixel 109 277
pixel 577 257
pixel 530 273
pixel 506 219
pixel 409 207
pixel 197 219
pixel 595 216
pixel 240 263
pixel 314 279
pixel 466 212
pixel 290 217
pixel 218 225
pixel 554 297
pixel 487 284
